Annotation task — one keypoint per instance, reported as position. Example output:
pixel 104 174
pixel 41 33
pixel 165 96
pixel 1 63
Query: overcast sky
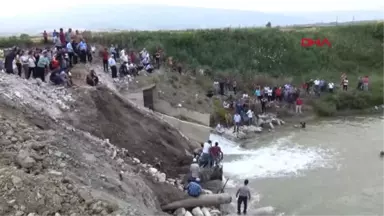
pixel 27 7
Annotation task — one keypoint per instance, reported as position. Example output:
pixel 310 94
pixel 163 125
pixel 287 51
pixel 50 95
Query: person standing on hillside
pixel 112 51
pixel 54 36
pixel 62 37
pixel 234 86
pixel 278 94
pixel 104 55
pixel 264 105
pixel 317 87
pixel 345 84
pixel 243 195
pixel 299 103
pixel 42 66
pixel 250 116
pixel 112 65
pixel 24 61
pixel 237 121
pixel 18 62
pixel 331 86
pixel 365 83
pixel 8 63
pixel 45 37
pixel 68 36
pixel 31 65
pixel 82 47
pixel 70 52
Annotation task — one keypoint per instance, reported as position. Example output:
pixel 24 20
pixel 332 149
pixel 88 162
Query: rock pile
pixel 48 167
pixel 266 121
pixel 198 211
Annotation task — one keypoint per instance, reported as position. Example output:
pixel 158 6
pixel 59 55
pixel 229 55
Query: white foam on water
pixel 279 159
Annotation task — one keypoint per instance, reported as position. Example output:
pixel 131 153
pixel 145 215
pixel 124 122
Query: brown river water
pixel 330 168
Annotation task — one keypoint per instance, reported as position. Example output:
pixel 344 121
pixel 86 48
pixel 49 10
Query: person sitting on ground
pixel 92 78
pixel 123 70
pixel 149 68
pixel 55 77
pixel 219 129
pixel 66 78
pixel 193 188
pixel 194 169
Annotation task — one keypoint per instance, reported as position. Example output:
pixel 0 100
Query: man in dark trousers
pixel 243 196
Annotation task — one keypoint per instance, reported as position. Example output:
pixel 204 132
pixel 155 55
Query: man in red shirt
pixel 216 154
pixel 45 35
pixel 62 37
pixel 105 56
pixel 365 83
pixel 278 94
pixel 299 103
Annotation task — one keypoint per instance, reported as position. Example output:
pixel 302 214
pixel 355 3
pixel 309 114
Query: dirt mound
pixel 107 115
pixel 50 167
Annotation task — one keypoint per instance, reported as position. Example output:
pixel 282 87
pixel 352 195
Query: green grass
pixel 270 56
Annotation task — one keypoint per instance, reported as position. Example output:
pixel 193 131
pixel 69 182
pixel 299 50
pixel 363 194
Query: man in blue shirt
pixel 193 188
pixel 82 47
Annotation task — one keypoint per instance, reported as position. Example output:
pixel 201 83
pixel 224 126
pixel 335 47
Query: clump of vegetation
pixel 254 56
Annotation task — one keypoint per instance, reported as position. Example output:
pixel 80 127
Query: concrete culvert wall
pixel 107 115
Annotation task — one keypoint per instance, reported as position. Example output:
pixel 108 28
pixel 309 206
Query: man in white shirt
pixel 237 121
pixel 250 117
pixel 330 87
pixel 112 65
pixel 205 158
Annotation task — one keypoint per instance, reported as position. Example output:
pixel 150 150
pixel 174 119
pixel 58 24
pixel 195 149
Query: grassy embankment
pixel 273 56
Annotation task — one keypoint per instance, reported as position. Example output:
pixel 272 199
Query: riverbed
pixel 331 167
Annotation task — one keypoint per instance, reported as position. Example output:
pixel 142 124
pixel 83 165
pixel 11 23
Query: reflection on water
pixel 330 167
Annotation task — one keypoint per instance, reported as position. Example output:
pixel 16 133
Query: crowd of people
pixel 243 105
pixel 209 156
pixel 64 49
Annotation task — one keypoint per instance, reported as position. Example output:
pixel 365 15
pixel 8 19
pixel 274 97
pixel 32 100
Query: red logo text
pixel 308 42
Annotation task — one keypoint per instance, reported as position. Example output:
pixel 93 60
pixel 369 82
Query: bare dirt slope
pixel 53 163
pixel 143 136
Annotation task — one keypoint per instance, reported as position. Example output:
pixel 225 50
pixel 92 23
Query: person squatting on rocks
pixel 243 195
pixel 92 79
pixel 194 169
pixel 194 188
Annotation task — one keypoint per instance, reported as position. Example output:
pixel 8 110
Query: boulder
pixel 161 177
pixel 188 213
pixel 179 212
pixel 24 159
pixel 215 212
pixel 205 211
pixel 197 211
